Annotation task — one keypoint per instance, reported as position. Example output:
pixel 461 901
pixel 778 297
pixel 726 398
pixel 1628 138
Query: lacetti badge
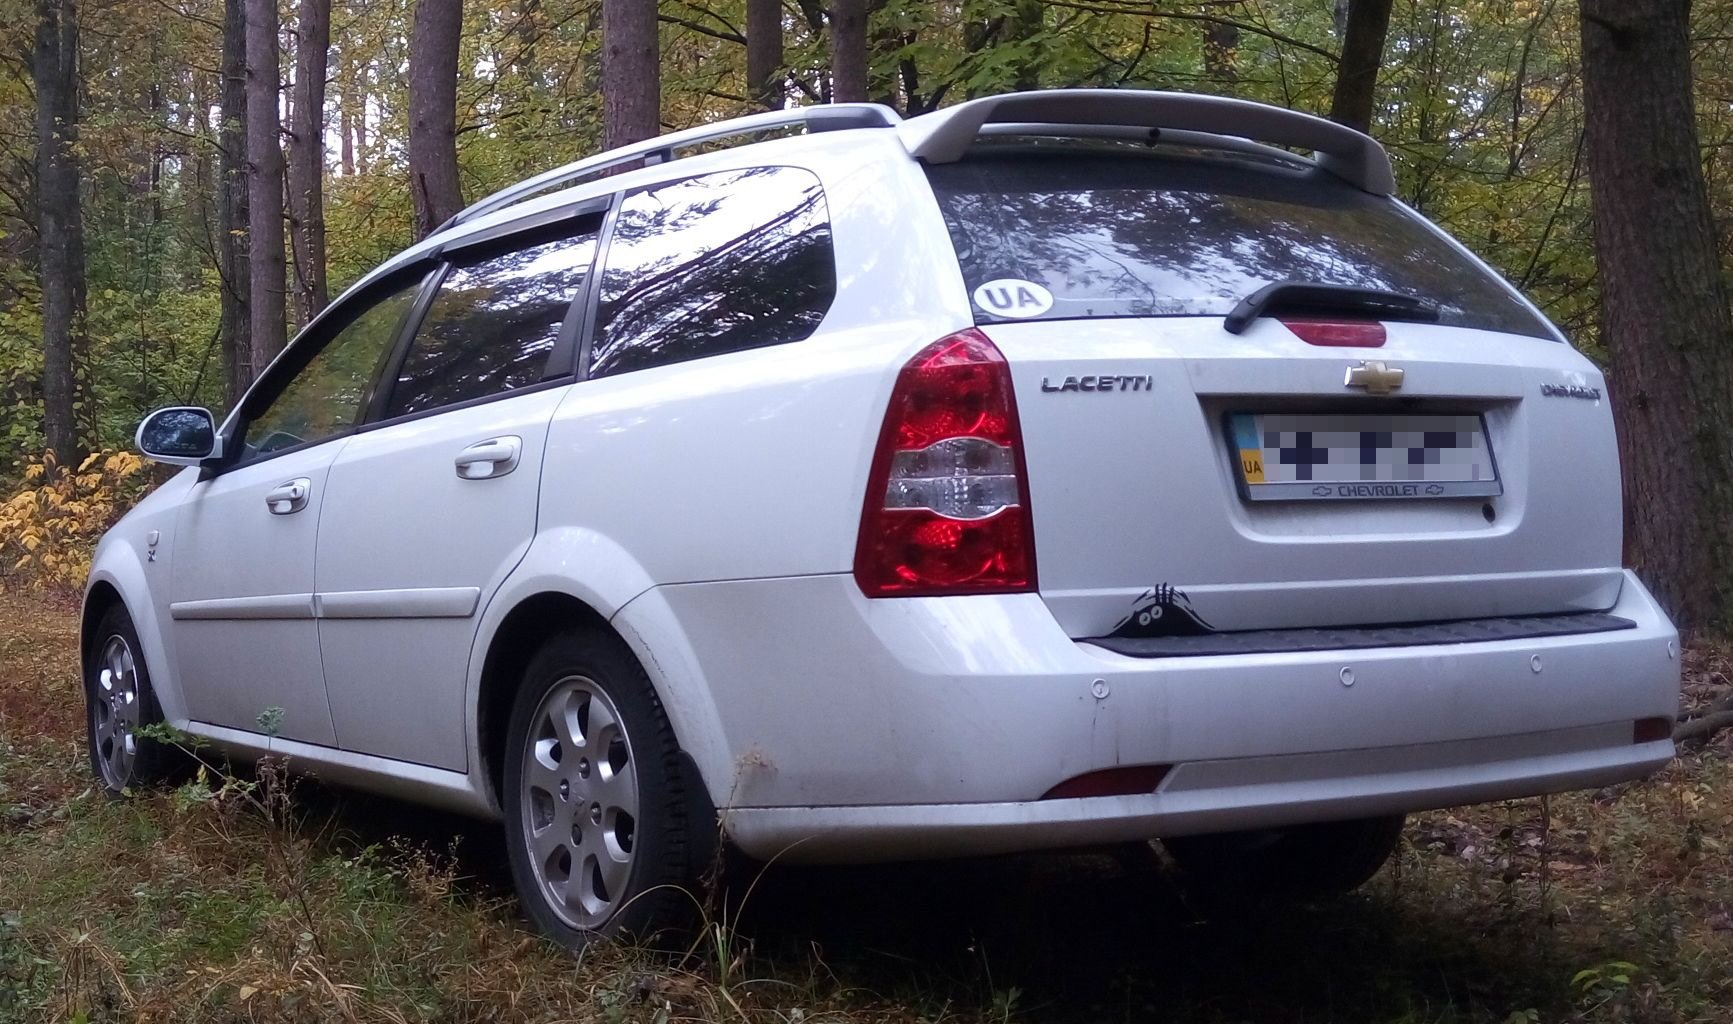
pixel 1570 391
pixel 1102 382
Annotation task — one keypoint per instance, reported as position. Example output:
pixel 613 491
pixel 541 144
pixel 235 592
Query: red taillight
pixel 947 505
pixel 1342 333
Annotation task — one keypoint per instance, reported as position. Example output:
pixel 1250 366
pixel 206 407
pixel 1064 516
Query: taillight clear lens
pixel 960 477
pixel 947 504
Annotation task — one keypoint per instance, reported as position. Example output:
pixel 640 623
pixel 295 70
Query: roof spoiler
pixel 944 135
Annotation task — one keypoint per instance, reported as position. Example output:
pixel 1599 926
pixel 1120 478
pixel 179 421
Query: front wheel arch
pixel 97 601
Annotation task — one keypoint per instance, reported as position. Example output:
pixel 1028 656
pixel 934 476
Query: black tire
pixel 1302 860
pixel 654 899
pixel 111 720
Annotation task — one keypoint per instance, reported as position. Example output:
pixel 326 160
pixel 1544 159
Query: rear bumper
pixel 1212 796
pixel 855 730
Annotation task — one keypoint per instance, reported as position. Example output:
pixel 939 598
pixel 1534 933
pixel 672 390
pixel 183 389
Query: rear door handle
pixel 491 458
pixel 290 496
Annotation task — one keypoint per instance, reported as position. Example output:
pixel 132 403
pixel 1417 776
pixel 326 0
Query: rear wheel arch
pixel 514 643
pixel 511 647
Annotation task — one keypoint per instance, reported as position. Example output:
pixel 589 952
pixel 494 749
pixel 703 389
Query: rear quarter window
pixel 1113 233
pixel 712 264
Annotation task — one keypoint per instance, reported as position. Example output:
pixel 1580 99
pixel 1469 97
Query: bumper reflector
pixel 1650 730
pixel 1135 780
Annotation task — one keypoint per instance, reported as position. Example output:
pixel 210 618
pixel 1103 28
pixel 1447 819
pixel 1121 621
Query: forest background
pixel 183 183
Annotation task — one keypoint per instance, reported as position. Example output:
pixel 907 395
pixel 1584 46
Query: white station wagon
pixel 1054 470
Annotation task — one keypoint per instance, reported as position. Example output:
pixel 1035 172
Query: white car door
pixel 431 506
pixel 242 592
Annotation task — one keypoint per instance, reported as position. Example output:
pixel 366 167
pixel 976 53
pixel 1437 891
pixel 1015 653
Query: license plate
pixel 1334 456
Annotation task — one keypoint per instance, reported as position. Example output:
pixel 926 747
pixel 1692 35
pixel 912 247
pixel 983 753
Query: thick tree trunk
pixel 1362 51
pixel 631 77
pixel 848 51
pixel 307 158
pixel 764 53
pixel 1664 315
pixel 433 177
pixel 59 221
pixel 267 268
pixel 235 327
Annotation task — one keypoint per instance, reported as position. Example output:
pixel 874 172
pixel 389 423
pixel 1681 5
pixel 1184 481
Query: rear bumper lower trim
pixel 1282 641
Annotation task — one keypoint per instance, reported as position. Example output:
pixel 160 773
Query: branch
pixel 1704 727
pixel 1243 26
pixel 732 37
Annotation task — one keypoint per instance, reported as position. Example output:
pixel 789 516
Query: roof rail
pixel 944 135
pixel 825 118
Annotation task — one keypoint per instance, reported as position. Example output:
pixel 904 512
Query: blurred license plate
pixel 1333 456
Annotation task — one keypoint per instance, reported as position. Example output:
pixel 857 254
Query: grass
pixel 221 903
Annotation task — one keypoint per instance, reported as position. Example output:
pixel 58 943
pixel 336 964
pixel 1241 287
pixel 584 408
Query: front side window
pixel 718 263
pixel 326 398
pixel 494 324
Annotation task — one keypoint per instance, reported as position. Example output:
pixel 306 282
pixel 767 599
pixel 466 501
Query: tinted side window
pixel 327 396
pixel 493 325
pixel 1116 233
pixel 713 264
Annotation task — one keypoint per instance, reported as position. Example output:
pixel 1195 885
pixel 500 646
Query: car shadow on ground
pixel 1091 936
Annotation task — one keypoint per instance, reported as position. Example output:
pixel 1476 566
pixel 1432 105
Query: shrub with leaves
pixel 48 529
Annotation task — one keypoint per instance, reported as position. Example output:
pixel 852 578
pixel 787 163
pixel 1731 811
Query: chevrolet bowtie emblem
pixel 1375 377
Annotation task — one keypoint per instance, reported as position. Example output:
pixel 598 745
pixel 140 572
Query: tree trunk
pixel 264 186
pixel 631 77
pixel 1664 315
pixel 1027 20
pixel 307 158
pixel 347 88
pixel 59 224
pixel 848 51
pixel 363 88
pixel 433 113
pixel 1221 46
pixel 764 53
pixel 235 326
pixel 1362 52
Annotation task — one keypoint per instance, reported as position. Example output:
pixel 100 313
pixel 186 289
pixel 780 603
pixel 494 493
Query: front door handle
pixel 491 458
pixel 290 496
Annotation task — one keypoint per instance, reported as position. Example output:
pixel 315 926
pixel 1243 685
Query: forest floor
pixel 229 903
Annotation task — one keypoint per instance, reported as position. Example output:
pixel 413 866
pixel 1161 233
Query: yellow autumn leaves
pixel 48 529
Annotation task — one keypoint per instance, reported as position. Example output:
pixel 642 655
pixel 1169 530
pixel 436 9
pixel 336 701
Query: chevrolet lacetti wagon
pixel 1055 470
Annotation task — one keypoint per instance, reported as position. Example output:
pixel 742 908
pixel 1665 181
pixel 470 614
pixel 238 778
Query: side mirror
pixel 178 436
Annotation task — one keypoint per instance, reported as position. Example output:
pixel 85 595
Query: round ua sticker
pixel 1013 298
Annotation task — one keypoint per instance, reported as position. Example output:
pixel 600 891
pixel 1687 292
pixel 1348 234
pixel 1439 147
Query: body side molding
pixel 408 603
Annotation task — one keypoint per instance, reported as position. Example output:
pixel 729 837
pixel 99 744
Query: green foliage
pixel 1478 102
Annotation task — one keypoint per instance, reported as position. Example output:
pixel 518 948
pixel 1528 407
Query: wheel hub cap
pixel 114 711
pixel 580 803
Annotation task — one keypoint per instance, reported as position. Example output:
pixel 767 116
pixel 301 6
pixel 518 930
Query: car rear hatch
pixel 1184 478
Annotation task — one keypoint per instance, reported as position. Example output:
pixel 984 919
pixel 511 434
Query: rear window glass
pixel 1137 234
